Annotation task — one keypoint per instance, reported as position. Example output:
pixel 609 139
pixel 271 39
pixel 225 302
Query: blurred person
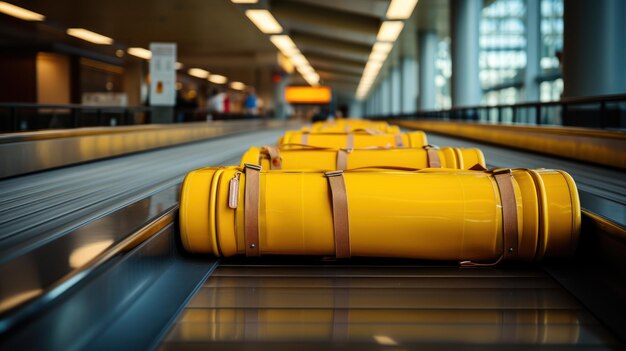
pixel 184 107
pixel 226 107
pixel 215 103
pixel 250 102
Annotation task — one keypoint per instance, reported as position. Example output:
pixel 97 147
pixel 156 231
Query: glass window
pixel 443 64
pixel 551 46
pixel 502 49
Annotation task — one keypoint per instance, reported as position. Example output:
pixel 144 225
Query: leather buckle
pixel 249 165
pixel 334 174
pixel 502 171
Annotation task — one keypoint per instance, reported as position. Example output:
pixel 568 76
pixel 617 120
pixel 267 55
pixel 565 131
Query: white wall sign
pixel 163 74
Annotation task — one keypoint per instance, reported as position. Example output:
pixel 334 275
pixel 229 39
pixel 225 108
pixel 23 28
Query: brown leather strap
pixel 305 138
pixel 276 161
pixel 251 209
pixel 342 158
pixel 432 152
pixel 367 130
pixel 504 180
pixel 290 146
pixel 350 141
pixel 399 141
pixel 340 213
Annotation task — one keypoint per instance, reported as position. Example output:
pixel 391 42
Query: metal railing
pixel 21 117
pixel 601 112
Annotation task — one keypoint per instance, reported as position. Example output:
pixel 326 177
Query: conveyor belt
pixel 325 307
pixel 287 303
pixel 58 201
pixel 271 304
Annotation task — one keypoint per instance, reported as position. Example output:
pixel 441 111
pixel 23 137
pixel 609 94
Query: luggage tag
pixel 233 191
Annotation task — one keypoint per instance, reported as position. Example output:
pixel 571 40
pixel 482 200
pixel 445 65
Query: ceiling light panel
pixel 89 36
pixel 378 56
pixel 140 52
pixel 284 44
pixel 217 79
pixel 237 85
pixel 198 73
pixel 382 47
pixel 20 12
pixel 244 1
pixel 264 20
pixel 299 60
pixel 401 9
pixel 389 31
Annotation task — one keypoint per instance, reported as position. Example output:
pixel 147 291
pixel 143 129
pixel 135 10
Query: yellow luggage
pixel 345 126
pixel 307 157
pixel 356 139
pixel 438 214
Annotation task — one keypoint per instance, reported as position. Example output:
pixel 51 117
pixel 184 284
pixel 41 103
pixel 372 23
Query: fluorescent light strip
pixel 198 73
pixel 244 1
pixel 89 36
pixel 304 69
pixel 401 9
pixel 382 47
pixel 140 52
pixel 284 44
pixel 289 49
pixel 378 56
pixel 217 79
pixel 264 20
pixel 20 12
pixel 299 60
pixel 389 31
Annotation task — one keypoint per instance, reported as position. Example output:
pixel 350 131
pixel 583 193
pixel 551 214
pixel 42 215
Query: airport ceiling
pixel 336 36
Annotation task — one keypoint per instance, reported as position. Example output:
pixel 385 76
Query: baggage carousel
pixel 90 259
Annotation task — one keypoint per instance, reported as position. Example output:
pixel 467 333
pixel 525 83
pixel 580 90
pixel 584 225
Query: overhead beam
pixel 341 23
pixel 348 76
pixel 329 67
pixel 331 46
pixel 333 58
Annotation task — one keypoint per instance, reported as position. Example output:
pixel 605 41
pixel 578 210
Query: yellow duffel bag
pixel 471 216
pixel 345 126
pixel 290 157
pixel 356 139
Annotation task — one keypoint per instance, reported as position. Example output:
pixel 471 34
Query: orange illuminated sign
pixel 308 95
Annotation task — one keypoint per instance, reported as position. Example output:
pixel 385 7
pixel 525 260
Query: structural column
pixel 594 49
pixel 386 95
pixel 465 31
pixel 396 91
pixel 377 101
pixel 280 104
pixel 533 50
pixel 357 109
pixel 408 65
pixel 409 85
pixel 427 69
